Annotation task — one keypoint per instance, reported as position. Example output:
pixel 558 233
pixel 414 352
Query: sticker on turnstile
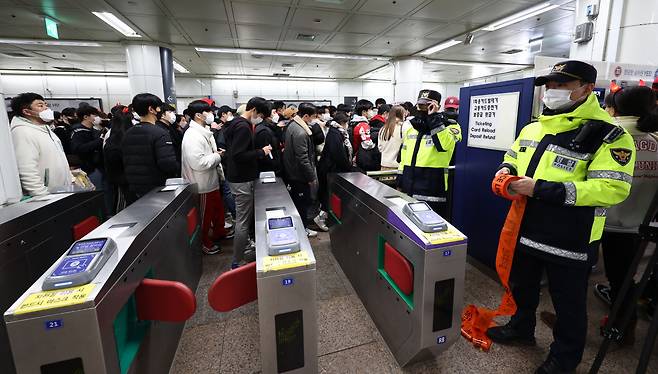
pixel 441 237
pixel 293 260
pixel 54 299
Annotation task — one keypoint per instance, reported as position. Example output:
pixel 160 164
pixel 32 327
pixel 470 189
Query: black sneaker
pixel 550 366
pixel 508 335
pixel 602 291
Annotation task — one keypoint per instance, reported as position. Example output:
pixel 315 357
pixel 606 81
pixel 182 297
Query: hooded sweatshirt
pixel 627 216
pixel 40 157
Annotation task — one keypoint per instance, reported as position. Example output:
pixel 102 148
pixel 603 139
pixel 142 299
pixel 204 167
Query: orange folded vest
pixel 476 320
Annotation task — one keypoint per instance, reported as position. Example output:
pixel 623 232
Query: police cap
pixel 567 71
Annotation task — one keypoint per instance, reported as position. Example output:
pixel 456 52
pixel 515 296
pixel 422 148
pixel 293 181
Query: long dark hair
pixel 638 101
pixel 121 121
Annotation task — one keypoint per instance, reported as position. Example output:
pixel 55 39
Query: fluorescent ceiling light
pixel 476 64
pixel 180 68
pixel 520 16
pixel 440 47
pixel 117 24
pixel 267 52
pixel 371 72
pixel 49 42
pixel 52 72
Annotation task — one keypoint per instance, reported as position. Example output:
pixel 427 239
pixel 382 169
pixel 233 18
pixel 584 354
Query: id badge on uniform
pixel 564 163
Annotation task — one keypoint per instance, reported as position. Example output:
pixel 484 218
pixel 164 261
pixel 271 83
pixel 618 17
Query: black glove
pixel 436 120
pixel 420 122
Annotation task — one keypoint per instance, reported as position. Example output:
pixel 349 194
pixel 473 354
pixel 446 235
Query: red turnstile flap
pixel 399 269
pixel 163 300
pixel 192 221
pixel 85 226
pixel 234 288
pixel 336 206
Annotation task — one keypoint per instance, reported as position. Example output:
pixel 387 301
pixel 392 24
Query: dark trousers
pixel 305 200
pixel 619 249
pixel 568 289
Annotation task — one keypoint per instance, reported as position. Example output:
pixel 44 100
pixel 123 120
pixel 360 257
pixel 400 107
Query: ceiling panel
pixel 346 4
pixel 450 10
pixel 496 10
pixel 181 9
pixel 395 8
pixel 207 33
pixel 449 31
pixel 367 24
pixel 415 28
pixel 307 19
pixel 349 39
pixel 136 7
pixel 262 14
pixel 260 33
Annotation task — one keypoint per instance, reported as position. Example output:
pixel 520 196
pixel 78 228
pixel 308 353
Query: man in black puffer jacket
pixel 148 152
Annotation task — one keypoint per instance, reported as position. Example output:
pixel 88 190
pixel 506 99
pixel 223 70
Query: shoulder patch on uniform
pixel 454 130
pixel 621 155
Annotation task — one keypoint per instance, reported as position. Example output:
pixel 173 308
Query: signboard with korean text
pixel 492 120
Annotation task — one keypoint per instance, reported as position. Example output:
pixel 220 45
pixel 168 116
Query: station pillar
pixel 10 186
pixel 407 79
pixel 624 31
pixel 151 70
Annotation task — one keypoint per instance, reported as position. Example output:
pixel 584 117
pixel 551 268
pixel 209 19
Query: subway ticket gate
pixel 129 317
pixel 287 310
pixel 410 281
pixel 34 234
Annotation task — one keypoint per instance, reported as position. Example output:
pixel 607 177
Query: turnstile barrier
pixel 410 282
pixel 128 318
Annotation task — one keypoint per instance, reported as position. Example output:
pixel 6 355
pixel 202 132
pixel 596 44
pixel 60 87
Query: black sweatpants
pixel 305 200
pixel 619 249
pixel 567 286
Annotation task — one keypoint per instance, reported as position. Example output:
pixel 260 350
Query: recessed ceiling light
pixel 520 16
pixel 50 42
pixel 117 24
pixel 306 37
pixel 317 20
pixel 440 47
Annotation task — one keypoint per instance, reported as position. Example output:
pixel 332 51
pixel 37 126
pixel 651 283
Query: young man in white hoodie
pixel 201 164
pixel 40 155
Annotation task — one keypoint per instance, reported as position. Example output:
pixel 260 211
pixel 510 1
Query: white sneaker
pixel 311 234
pixel 228 225
pixel 324 215
pixel 319 222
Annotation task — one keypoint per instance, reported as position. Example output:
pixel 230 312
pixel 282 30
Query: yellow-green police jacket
pixel 424 161
pixel 582 163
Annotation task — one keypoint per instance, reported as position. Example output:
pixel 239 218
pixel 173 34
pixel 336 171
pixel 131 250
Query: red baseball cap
pixel 451 102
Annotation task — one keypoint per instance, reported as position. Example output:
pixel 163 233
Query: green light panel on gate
pixel 51 28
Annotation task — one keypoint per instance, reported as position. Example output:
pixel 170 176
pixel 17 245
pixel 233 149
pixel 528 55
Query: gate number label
pixel 53 324
pixel 440 340
pixel 447 253
pixel 287 281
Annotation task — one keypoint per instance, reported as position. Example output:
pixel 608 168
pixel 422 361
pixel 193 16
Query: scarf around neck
pixel 346 138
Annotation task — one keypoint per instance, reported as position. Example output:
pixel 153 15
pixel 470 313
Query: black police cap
pixel 425 95
pixel 567 71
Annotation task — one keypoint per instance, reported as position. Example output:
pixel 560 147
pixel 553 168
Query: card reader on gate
pixel 424 217
pixel 281 236
pixel 82 262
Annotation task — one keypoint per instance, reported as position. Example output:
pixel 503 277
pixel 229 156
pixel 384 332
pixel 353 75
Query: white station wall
pixel 113 90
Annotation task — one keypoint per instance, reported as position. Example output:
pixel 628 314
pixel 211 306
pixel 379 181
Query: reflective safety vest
pixel 581 163
pixel 424 161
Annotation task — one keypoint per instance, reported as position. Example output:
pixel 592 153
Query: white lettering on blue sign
pixel 287 281
pixel 447 253
pixel 440 340
pixel 53 324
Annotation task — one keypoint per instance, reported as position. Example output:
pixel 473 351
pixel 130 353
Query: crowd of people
pixel 135 148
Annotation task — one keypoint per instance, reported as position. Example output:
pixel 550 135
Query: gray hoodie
pixel 39 156
pixel 627 216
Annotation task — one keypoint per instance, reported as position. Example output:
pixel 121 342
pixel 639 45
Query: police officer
pixel 574 163
pixel 427 147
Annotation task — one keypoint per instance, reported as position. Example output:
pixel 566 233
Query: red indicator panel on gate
pixel 399 269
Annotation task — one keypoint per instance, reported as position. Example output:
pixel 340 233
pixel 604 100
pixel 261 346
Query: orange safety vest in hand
pixel 477 320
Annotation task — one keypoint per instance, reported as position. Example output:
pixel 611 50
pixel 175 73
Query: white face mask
pixel 556 99
pixel 96 121
pixel 134 121
pixel 256 120
pixel 370 114
pixel 325 117
pixel 136 116
pixel 47 115
pixel 275 118
pixel 209 118
pixel 171 117
pixel 229 118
